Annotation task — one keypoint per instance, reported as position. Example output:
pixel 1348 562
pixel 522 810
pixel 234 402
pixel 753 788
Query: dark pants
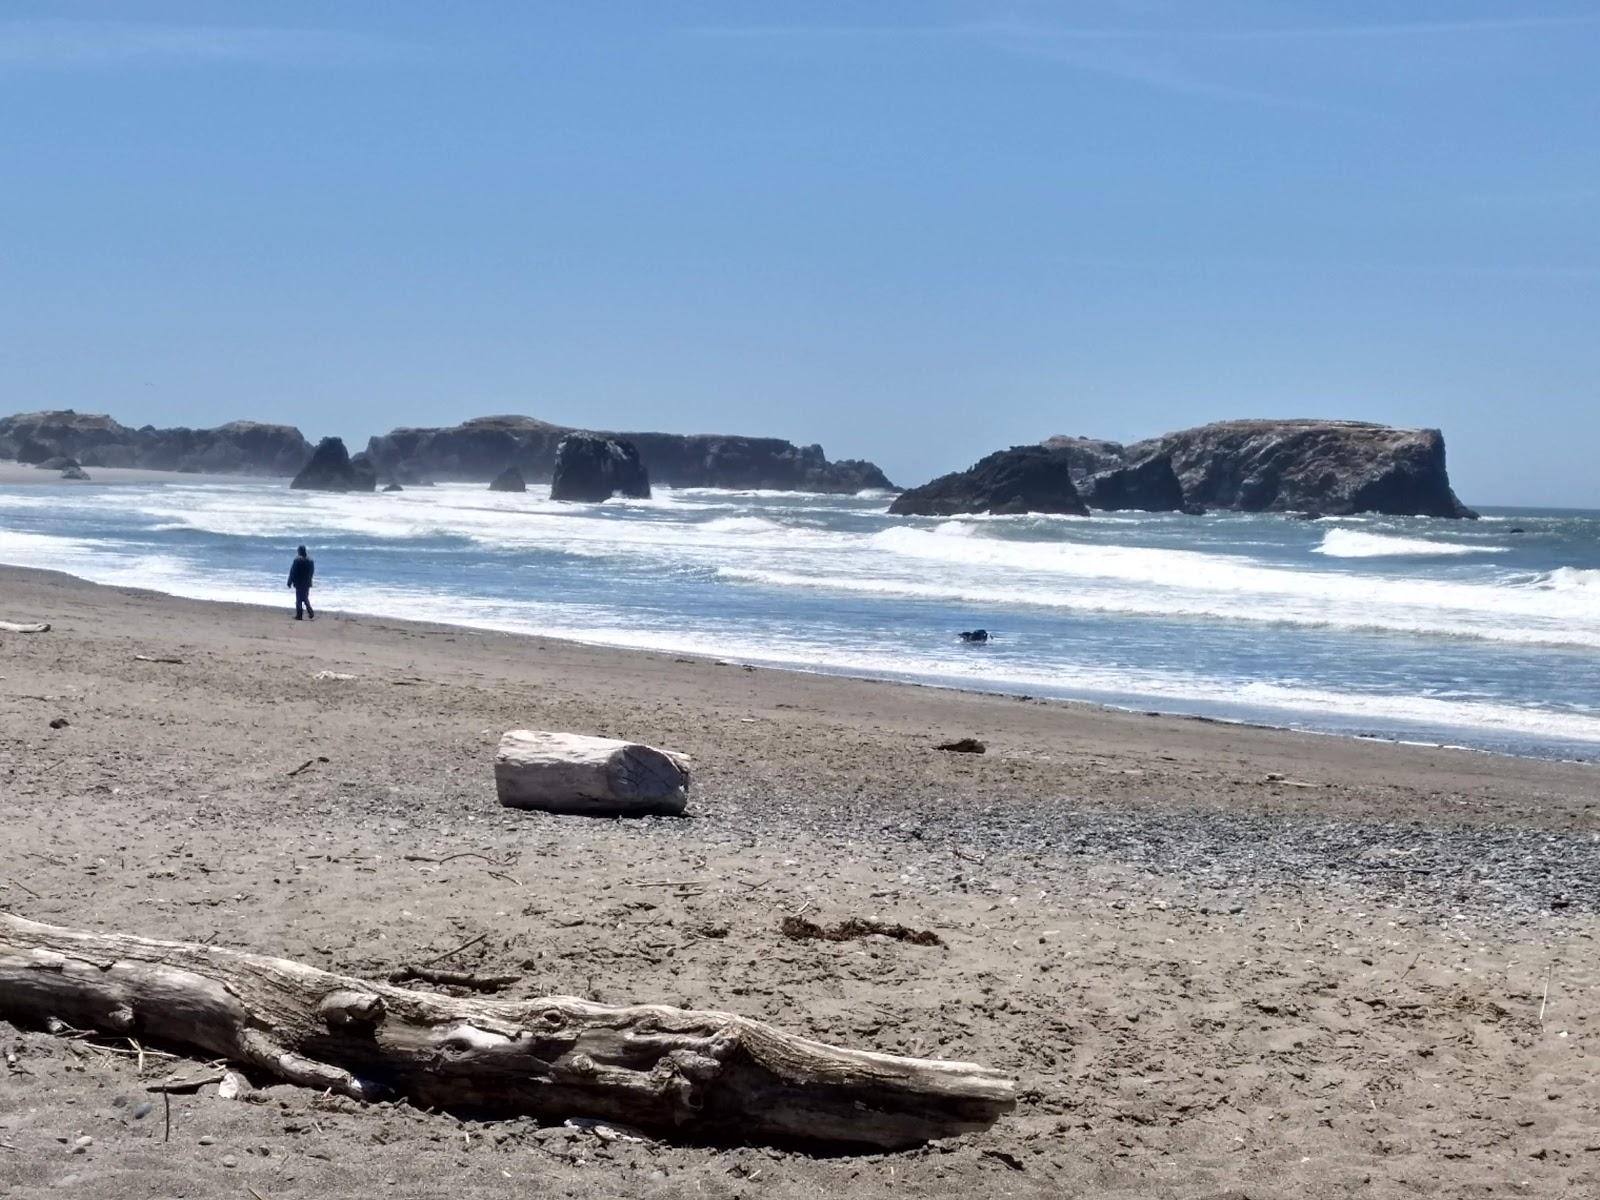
pixel 302 600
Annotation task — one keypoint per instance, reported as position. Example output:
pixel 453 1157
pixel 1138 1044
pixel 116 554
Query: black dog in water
pixel 975 635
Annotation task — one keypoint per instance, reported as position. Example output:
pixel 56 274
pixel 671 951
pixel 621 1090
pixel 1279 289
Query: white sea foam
pixel 1571 579
pixel 741 525
pixel 1353 543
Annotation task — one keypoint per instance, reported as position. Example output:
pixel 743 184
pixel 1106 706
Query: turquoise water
pixel 1457 632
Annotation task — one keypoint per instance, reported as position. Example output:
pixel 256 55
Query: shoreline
pixel 847 674
pixel 863 693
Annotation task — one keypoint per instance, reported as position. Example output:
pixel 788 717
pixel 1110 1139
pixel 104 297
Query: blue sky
pixel 912 232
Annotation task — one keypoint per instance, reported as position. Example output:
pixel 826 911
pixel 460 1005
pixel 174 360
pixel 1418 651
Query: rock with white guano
pixel 594 776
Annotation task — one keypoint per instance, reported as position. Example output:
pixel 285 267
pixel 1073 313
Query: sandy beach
pixel 1220 960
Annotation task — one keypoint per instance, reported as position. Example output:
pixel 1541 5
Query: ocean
pixel 1479 634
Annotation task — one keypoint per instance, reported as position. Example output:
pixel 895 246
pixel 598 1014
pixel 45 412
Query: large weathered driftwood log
pixel 705 1074
pixel 570 773
pixel 14 627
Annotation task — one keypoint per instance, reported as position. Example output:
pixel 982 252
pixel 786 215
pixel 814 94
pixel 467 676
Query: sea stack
pixel 479 449
pixel 1023 479
pixel 1334 468
pixel 332 469
pixel 509 480
pixel 591 469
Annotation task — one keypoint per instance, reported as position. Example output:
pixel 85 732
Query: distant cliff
pixel 239 447
pixel 1327 467
pixel 478 450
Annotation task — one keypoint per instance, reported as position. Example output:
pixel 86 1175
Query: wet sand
pixel 1221 960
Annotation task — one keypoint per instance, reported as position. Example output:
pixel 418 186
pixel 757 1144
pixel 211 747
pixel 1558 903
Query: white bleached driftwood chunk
pixel 571 773
pixel 14 627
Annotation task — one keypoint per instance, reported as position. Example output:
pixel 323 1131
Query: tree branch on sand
pixel 706 1075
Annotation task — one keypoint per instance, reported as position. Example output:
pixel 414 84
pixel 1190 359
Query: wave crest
pixel 1354 543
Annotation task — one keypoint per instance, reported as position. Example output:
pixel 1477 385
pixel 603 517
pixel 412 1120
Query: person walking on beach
pixel 301 571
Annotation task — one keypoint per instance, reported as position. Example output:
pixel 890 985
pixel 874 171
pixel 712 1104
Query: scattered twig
pixel 506 861
pixel 466 945
pixel 24 887
pixel 466 979
pixel 150 658
pixel 856 927
pixel 962 854
pixel 672 883
pixel 193 1084
pixel 1546 999
pixel 166 1112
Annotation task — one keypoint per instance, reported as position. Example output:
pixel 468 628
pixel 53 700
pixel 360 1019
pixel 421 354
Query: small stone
pixel 143 1110
pixel 82 1144
pixel 208 1140
pixel 229 1160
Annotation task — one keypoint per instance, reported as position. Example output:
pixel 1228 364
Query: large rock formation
pixel 593 468
pixel 332 469
pixel 1150 486
pixel 1023 479
pixel 95 440
pixel 1330 467
pixel 509 480
pixel 480 449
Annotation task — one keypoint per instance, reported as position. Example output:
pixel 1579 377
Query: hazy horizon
pixel 914 236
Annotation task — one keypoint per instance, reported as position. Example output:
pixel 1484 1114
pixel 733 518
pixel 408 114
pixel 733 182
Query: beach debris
pixel 1285 781
pixel 308 764
pixel 333 675
pixel 14 627
pixel 799 929
pixel 192 1084
pixel 405 973
pixel 494 860
pixel 59 723
pixel 153 658
pixel 606 1131
pixel 552 1056
pixel 975 637
pixel 234 1086
pixel 574 773
pixel 963 746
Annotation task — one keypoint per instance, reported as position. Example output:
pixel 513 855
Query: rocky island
pixel 333 469
pixel 1331 468
pixel 96 440
pixel 480 449
pixel 592 469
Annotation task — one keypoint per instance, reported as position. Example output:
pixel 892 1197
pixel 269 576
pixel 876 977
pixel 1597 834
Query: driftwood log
pixel 571 773
pixel 708 1075
pixel 13 627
